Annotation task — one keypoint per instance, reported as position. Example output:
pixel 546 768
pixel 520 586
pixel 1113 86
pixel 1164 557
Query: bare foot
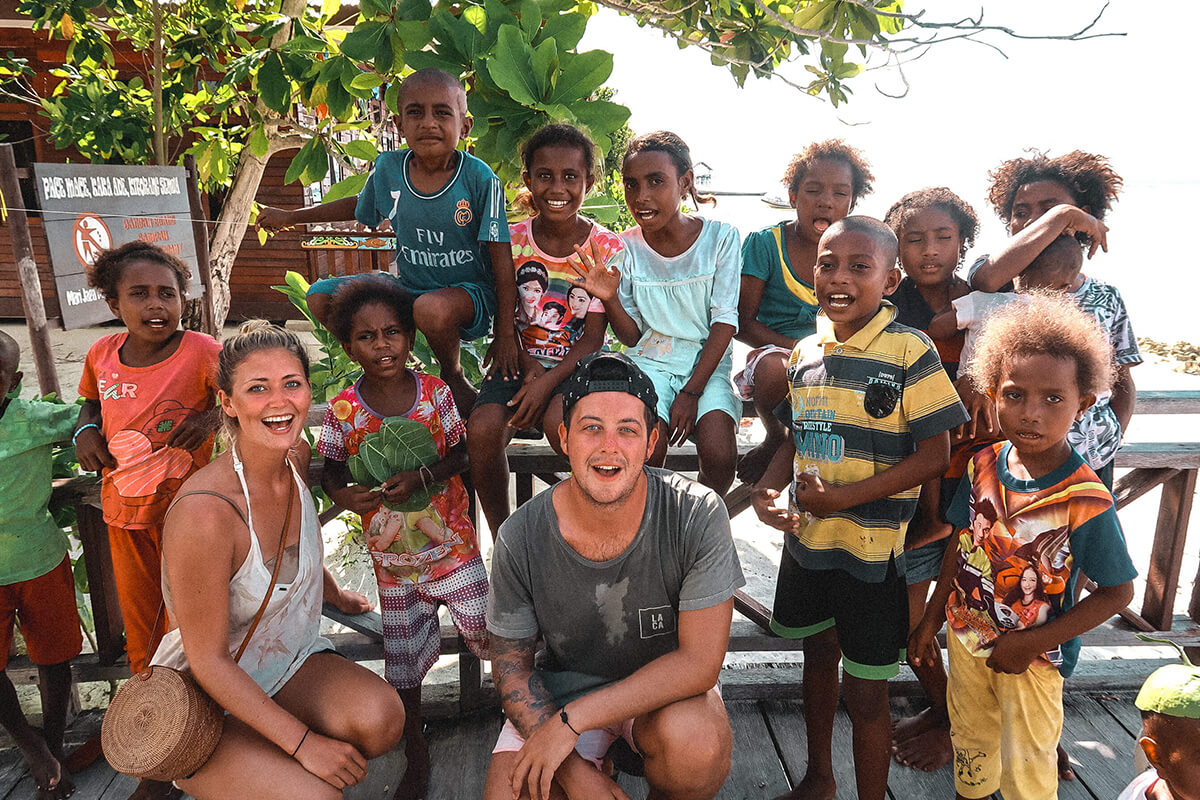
pixel 464 393
pixel 1065 771
pixel 928 751
pixel 914 726
pixel 416 776
pixel 155 790
pixel 752 465
pixel 49 777
pixel 812 787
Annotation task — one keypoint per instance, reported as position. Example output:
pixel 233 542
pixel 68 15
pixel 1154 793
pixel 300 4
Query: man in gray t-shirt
pixel 627 573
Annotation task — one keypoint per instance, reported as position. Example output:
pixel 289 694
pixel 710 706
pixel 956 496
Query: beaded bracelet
pixel 690 393
pixel 81 429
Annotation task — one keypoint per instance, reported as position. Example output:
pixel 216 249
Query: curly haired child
pixel 422 558
pixel 777 304
pixel 1042 364
pixel 1041 198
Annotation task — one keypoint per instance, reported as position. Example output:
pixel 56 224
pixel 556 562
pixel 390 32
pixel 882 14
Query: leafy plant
pixel 400 445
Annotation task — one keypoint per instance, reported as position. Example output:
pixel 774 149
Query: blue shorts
pixel 717 395
pixel 925 562
pixel 483 301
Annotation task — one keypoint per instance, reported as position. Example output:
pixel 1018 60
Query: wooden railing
pixel 1171 465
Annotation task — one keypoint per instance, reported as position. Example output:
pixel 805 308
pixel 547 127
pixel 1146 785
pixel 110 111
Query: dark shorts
pixel 871 619
pixel 499 391
pixel 925 562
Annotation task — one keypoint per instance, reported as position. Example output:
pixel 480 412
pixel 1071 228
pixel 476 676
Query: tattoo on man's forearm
pixel 523 694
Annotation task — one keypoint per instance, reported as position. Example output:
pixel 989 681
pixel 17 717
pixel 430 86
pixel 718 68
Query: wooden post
pixel 200 233
pixel 106 608
pixel 31 287
pixel 1166 558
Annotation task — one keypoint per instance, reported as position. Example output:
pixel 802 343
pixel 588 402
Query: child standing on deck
pixel 1042 364
pixel 446 208
pixel 777 306
pixel 673 303
pixel 146 425
pixel 36 585
pixel 871 412
pixel 1039 199
pixel 935 227
pixel 422 557
pixel 559 163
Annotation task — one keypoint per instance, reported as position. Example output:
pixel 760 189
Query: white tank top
pixel 289 631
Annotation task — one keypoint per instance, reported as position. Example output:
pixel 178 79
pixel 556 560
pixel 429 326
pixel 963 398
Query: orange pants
pixel 137 568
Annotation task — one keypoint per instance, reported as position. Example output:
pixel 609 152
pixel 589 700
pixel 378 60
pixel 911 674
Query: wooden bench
pixel 1172 465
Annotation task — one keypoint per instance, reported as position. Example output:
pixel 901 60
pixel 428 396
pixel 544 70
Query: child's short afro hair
pixel 942 199
pixel 105 273
pixel 1048 324
pixel 1088 177
pixel 364 290
pixel 831 150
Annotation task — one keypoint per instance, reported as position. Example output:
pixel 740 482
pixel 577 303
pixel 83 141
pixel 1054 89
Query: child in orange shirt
pixel 147 423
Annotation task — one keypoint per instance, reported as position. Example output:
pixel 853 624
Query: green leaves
pixel 273 86
pixel 400 445
pixel 512 66
pixel 310 164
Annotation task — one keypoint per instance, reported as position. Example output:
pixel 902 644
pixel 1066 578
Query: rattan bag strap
pixel 287 521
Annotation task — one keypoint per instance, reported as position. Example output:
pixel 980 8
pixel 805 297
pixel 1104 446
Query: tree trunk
pixel 235 212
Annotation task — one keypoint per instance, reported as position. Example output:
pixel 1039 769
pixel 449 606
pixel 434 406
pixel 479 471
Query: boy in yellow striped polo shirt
pixel 871 408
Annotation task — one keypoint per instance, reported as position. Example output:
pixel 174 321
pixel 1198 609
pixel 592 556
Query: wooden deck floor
pixel 769 746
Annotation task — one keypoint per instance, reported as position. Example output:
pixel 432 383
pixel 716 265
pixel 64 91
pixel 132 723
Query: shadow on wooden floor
pixel 769 755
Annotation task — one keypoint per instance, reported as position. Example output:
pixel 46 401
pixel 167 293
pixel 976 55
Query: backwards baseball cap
pixel 606 371
pixel 1173 690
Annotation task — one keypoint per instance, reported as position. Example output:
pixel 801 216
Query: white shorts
pixel 592 745
pixel 743 382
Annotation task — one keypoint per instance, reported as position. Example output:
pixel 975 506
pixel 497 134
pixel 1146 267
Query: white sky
pixel 1132 98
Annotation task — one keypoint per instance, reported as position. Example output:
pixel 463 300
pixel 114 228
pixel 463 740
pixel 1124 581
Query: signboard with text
pixel 89 208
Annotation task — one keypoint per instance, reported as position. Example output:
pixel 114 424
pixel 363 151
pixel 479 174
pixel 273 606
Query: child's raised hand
pixel 1079 221
pixel 1013 652
pixel 191 431
pixel 355 497
pixel 91 451
pixel 598 279
pixel 682 419
pixel 768 513
pixel 273 219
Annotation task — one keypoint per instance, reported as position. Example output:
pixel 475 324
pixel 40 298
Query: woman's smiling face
pixel 270 399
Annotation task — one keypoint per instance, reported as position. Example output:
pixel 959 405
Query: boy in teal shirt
pixel 447 209
pixel 36 584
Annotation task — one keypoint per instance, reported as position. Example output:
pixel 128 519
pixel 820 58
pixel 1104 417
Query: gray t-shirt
pixel 603 620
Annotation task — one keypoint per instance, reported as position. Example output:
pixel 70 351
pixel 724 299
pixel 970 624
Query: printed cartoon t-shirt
pixel 550 309
pixel 139 408
pixel 437 235
pixel 415 546
pixel 1023 545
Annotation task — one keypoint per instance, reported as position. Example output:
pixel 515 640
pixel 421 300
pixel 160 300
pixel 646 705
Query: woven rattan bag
pixel 161 725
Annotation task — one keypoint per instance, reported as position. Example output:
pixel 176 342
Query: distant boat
pixel 776 199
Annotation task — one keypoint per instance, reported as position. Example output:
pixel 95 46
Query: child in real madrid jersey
pixel 871 408
pixel 447 209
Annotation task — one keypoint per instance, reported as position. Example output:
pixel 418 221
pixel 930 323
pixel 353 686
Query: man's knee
pixel 485 430
pixel 687 747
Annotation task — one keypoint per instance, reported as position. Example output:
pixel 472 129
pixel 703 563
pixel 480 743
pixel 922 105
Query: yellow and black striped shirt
pixel 858 408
